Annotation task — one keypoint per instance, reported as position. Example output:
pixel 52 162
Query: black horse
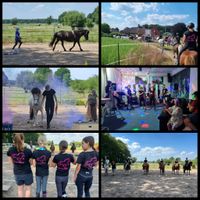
pixel 69 36
pixel 187 167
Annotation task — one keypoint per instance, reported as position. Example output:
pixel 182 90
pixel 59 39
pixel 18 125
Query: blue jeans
pixel 61 184
pixel 41 183
pixel 81 181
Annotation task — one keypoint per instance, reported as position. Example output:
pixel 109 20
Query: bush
pixel 80 102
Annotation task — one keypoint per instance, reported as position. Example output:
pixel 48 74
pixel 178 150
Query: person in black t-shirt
pixel 62 161
pixel 21 158
pixel 86 161
pixel 49 93
pixel 113 164
pixel 41 160
pixel 190 38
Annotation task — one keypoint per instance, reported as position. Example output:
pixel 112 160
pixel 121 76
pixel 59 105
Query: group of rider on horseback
pixel 145 166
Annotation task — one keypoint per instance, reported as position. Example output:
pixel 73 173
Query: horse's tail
pixel 53 40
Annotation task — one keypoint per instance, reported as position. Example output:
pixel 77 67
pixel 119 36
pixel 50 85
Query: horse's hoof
pixel 81 50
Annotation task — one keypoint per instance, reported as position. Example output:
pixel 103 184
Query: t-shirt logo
pixel 18 158
pixel 64 165
pixel 191 38
pixel 90 163
pixel 41 160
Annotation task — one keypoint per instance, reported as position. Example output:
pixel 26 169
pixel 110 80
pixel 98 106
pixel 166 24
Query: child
pixel 17 38
pixel 113 163
pixel 62 161
pixel 21 158
pixel 41 158
pixel 85 162
pixel 106 165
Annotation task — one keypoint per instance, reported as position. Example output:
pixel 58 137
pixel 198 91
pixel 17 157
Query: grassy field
pixel 133 52
pixel 138 166
pixel 40 33
pixel 17 96
pixel 110 53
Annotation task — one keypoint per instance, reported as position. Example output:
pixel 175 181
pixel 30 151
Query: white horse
pixel 36 105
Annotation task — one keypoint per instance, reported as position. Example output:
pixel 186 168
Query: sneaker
pixel 64 196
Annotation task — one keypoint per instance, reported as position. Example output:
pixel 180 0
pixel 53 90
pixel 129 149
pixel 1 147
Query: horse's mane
pixel 36 90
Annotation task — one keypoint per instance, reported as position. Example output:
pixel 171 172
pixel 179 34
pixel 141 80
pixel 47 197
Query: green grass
pixel 33 33
pixel 110 53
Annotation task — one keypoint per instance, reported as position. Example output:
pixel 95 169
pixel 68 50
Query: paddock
pixel 42 54
pixel 153 185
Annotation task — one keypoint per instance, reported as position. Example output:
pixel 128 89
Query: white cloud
pixel 164 19
pixel 134 7
pixel 134 146
pixel 38 7
pixel 124 140
pixel 155 151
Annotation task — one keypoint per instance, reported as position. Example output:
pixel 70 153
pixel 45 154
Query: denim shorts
pixel 24 179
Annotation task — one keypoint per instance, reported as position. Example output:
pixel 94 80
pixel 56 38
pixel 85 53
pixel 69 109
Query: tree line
pixel 70 18
pixel 27 79
pixel 179 28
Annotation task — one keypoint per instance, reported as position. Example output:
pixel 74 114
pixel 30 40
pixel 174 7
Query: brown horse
pixel 145 167
pixel 176 168
pixel 162 168
pixel 189 57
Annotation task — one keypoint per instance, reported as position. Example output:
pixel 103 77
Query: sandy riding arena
pixel 42 54
pixel 9 182
pixel 64 120
pixel 153 185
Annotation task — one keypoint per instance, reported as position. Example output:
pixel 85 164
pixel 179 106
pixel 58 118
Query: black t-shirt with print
pixel 63 163
pixel 20 160
pixel 42 158
pixel 87 160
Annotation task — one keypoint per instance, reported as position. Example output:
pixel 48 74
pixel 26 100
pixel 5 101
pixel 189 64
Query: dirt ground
pixel 136 184
pixel 59 121
pixel 42 54
pixel 8 180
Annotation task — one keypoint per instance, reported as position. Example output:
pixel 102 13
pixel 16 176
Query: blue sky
pixel 43 10
pixel 160 145
pixel 70 137
pixel 123 15
pixel 76 73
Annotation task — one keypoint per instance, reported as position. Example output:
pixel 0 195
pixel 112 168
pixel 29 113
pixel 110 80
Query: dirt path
pixel 136 184
pixel 42 54
pixel 8 179
pixel 64 120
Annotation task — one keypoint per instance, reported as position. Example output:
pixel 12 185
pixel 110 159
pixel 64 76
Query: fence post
pixel 118 54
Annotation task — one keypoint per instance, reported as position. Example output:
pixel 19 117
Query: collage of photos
pixel 100 99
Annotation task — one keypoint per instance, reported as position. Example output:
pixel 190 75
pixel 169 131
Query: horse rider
pixel 145 160
pixel 190 38
pixel 17 38
pixel 186 161
pixel 177 38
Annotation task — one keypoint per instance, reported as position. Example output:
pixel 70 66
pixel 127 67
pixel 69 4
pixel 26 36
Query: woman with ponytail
pixel 21 158
pixel 62 161
pixel 86 161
